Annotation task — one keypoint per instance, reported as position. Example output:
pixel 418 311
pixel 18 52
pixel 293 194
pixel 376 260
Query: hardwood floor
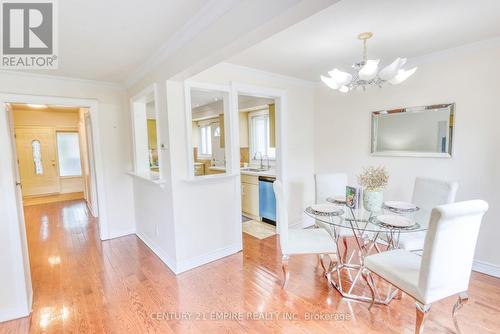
pixel 83 285
pixel 35 200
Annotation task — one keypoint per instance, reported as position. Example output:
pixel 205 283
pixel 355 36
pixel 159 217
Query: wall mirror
pixel 425 131
pixel 144 119
pixel 208 110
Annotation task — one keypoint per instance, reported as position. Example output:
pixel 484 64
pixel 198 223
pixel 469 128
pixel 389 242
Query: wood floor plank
pixel 84 285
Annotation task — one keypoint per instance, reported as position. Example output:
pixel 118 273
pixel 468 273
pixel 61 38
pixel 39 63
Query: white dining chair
pixel 298 241
pixel 427 194
pixel 331 185
pixel 445 266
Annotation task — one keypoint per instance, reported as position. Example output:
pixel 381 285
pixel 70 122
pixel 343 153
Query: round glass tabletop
pixel 366 221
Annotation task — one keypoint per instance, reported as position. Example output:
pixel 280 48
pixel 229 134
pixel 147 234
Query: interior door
pixel 37 157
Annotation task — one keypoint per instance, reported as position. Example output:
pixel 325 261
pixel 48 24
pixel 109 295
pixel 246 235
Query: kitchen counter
pixel 270 173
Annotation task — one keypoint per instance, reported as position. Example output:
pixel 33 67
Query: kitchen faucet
pixel 268 164
pixel 255 158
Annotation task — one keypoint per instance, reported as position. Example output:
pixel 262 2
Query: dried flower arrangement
pixel 374 178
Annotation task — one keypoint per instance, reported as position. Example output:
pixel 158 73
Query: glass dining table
pixel 370 235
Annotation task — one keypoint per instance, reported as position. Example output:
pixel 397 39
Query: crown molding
pixel 205 16
pixel 109 84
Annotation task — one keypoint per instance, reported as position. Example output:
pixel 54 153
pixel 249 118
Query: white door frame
pixel 281 135
pixel 98 178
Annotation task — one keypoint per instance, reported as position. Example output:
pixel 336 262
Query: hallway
pixel 83 285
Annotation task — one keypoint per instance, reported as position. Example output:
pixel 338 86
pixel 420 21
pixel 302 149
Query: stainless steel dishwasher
pixel 267 200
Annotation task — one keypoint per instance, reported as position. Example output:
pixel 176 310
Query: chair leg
pixel 322 262
pixel 399 295
pixel 344 255
pixel 422 311
pixel 371 284
pixel 286 273
pixel 462 299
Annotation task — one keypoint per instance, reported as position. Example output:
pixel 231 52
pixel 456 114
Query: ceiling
pixel 107 40
pixel 405 28
pixel 200 98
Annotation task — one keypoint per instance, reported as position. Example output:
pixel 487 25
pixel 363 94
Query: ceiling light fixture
pixel 367 73
pixel 37 106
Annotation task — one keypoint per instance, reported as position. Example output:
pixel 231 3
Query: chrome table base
pixel 353 268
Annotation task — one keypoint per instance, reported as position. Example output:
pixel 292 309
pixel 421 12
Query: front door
pixel 36 152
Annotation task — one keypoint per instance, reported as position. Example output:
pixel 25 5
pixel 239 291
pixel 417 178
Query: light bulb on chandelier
pixel 367 73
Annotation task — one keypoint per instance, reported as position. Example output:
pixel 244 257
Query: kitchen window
pixel 260 143
pixel 205 141
pixel 68 152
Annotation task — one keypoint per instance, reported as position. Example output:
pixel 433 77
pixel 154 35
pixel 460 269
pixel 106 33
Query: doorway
pixel 259 160
pixel 51 149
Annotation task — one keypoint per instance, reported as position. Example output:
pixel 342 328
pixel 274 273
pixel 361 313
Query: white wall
pixel 468 78
pixel 114 133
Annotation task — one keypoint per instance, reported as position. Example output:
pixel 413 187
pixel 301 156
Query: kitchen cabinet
pixel 199 169
pixel 250 196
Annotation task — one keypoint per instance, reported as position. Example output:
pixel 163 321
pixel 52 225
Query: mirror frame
pixel 373 137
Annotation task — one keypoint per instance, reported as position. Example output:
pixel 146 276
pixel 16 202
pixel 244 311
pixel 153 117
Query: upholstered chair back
pixel 282 215
pixel 449 249
pixel 429 193
pixel 329 184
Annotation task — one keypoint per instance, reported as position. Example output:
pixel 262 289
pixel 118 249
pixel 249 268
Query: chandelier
pixel 367 72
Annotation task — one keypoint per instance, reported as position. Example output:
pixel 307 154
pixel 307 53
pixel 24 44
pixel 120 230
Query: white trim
pixel 12 216
pixel 215 255
pixel 486 268
pixel 169 262
pixel 210 12
pixel 148 178
pixel 109 84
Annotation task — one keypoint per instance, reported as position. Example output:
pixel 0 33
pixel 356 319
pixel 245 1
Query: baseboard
pixel 186 265
pixel 169 262
pixel 13 314
pixel 120 234
pixel 486 268
pixel 301 223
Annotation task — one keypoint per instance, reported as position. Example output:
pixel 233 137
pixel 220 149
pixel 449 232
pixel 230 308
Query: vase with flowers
pixel 373 180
